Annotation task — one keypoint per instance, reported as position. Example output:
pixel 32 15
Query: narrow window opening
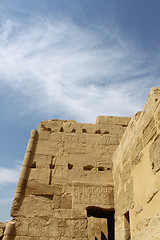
pixel 108 168
pixel 70 166
pixel 73 130
pixel 87 168
pixel 152 165
pixel 106 132
pixel 101 169
pixel 52 166
pixel 33 165
pixel 124 125
pixel 84 130
pixel 61 129
pixel 50 177
pixel 127 226
pixel 98 131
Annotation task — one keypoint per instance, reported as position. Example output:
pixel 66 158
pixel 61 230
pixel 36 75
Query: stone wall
pixel 2 226
pixel 136 171
pixel 74 176
pixel 67 168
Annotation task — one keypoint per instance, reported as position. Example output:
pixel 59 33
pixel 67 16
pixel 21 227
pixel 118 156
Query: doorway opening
pixel 101 222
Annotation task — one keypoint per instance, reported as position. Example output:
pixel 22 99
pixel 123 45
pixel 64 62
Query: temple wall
pixel 136 174
pixel 2 226
pixel 67 168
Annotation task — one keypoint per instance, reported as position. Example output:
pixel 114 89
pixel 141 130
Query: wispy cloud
pixel 5 201
pixel 73 70
pixel 8 176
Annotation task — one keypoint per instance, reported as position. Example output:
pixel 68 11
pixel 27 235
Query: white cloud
pixel 8 176
pixel 75 71
pixel 5 201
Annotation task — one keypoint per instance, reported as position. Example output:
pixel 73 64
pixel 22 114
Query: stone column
pixel 24 174
pixel 9 233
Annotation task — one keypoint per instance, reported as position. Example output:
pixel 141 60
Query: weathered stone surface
pixel 2 227
pixel 67 168
pixel 66 189
pixel 136 164
pixel 155 154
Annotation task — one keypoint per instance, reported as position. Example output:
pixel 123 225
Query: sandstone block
pixel 155 154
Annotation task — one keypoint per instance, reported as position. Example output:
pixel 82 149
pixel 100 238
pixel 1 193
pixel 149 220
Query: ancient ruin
pixel 91 181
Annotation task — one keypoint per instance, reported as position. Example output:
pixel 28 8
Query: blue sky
pixel 70 59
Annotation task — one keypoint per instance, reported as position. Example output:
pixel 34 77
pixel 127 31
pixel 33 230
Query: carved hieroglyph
pixel 67 168
pixel 66 189
pixel 136 170
pixel 95 195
